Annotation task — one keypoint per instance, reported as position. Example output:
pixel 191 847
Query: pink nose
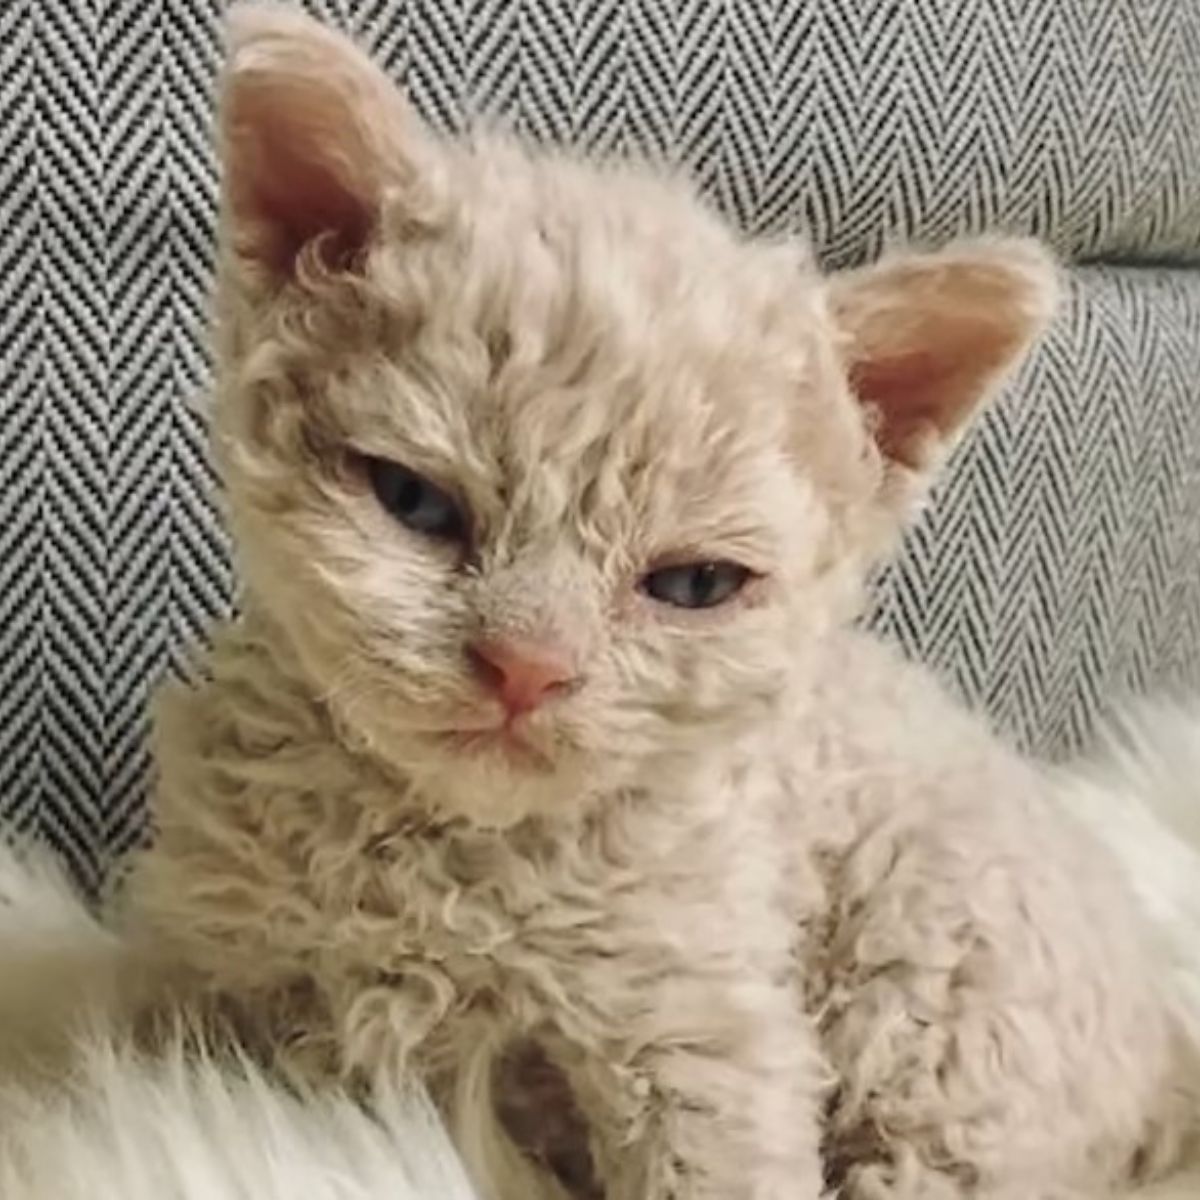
pixel 522 674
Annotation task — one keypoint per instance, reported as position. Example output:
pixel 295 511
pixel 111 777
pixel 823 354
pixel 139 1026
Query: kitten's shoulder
pixel 859 682
pixel 874 728
pixel 242 715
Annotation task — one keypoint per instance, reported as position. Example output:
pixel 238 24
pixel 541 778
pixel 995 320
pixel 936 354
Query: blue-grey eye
pixel 415 502
pixel 696 585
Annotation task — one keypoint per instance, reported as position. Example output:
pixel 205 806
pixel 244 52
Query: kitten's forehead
pixel 619 318
pixel 569 252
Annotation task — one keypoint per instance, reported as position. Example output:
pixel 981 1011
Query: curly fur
pixel 782 914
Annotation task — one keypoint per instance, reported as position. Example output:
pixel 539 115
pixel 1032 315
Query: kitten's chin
pixel 486 775
pixel 497 789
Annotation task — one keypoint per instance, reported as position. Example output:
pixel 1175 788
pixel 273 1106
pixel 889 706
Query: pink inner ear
pixel 927 337
pixel 291 178
pixel 913 395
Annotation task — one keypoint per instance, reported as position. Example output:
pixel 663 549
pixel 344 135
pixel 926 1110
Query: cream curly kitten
pixel 544 723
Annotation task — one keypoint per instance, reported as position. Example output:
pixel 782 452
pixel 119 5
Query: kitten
pixel 544 722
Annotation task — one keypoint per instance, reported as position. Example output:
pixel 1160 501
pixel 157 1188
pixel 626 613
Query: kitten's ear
pixel 312 136
pixel 927 337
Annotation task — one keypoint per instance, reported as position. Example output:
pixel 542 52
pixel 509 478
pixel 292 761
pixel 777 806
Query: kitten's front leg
pixel 714 1095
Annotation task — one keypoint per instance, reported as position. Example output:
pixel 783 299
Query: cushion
pixel 1077 120
pixel 1056 570
pixel 1060 560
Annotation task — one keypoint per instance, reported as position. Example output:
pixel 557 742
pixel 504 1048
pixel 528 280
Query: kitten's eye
pixel 697 585
pixel 415 502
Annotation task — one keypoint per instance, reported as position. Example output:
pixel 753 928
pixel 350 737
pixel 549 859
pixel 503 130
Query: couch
pixel 1057 568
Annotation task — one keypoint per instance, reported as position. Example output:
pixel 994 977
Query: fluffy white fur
pixel 61 970
pixel 1140 794
pixel 84 1115
pixel 175 1128
pixel 781 914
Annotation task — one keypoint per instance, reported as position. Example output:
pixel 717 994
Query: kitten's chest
pixel 462 898
pixel 541 907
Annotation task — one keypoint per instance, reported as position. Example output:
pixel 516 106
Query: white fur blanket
pixel 123 1127
pixel 176 1130
pixel 180 1129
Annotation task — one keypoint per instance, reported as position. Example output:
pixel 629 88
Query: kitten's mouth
pixel 507 740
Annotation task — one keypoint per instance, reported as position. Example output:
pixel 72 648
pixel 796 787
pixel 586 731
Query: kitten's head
pixel 544 474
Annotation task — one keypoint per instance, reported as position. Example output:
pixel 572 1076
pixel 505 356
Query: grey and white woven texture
pixel 1060 563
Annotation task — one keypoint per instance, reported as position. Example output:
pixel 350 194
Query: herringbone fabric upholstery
pixel 1059 564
